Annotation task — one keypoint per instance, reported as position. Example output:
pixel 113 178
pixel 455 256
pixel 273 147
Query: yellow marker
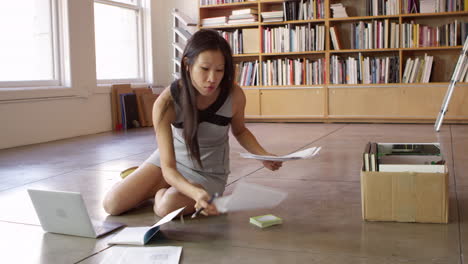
pixel 126 172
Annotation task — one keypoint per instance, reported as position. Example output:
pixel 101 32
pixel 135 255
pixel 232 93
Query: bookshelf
pixel 365 94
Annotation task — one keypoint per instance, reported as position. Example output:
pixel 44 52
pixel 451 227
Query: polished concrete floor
pixel 322 213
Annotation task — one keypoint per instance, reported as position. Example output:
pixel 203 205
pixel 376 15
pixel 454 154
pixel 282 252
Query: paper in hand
pixel 302 154
pixel 248 196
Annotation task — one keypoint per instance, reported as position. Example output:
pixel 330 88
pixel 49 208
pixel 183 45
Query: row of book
pixel 242 41
pixel 403 157
pixel 219 2
pixel 418 70
pixel 293 72
pixel 237 17
pixel 364 70
pixel 247 73
pixel 293 38
pixel 434 6
pixel 373 7
pixel 304 9
pixel 382 7
pixel 418 35
pixel 377 34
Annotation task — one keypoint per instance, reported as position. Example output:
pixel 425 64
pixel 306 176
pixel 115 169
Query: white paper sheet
pixel 248 196
pixel 302 154
pixel 143 255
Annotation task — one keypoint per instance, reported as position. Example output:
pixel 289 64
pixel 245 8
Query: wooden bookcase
pixel 392 102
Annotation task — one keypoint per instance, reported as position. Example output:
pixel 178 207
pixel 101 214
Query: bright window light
pixel 117 42
pixel 27 41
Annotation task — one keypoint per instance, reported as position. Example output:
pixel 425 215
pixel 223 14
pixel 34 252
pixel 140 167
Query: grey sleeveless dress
pixel 213 139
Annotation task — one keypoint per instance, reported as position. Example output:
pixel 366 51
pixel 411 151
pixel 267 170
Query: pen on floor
pixel 198 211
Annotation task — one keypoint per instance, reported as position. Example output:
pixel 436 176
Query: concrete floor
pixel 322 213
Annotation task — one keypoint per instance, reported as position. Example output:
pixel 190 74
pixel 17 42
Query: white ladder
pixel 180 24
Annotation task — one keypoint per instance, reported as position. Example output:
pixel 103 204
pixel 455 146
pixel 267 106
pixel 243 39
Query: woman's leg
pixel 140 185
pixel 169 199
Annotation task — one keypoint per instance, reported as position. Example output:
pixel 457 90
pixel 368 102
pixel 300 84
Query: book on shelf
pixel 293 38
pixel 272 16
pixel 218 2
pixel 428 6
pixel 434 6
pixel 214 21
pixel 338 10
pixel 334 37
pixel 243 16
pixel 418 70
pixel 235 40
pixel 380 7
pixel 293 72
pixel 241 21
pixel 245 11
pixel 251 40
pixel 364 70
pixel 246 73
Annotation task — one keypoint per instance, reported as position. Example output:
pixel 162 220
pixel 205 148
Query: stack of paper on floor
pixel 141 235
pixel 141 255
pixel 249 196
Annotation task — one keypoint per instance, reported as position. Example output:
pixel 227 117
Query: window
pixel 119 41
pixel 29 44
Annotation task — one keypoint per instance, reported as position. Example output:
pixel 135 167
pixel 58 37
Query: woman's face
pixel 207 71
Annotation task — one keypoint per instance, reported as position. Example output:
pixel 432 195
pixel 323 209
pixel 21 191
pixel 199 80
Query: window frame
pixel 141 45
pixel 58 54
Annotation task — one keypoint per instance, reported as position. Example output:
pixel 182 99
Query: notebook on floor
pixel 65 213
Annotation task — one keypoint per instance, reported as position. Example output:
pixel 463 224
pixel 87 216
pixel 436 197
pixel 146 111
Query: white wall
pixel 26 122
pixel 162 35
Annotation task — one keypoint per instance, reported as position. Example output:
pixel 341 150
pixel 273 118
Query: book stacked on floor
pixel 403 157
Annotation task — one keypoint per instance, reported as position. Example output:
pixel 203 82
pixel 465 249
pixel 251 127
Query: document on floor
pixel 141 235
pixel 153 255
pixel 302 154
pixel 249 196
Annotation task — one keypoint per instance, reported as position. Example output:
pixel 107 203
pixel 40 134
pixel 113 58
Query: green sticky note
pixel 265 220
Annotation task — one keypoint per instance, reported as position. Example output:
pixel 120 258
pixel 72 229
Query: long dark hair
pixel 202 40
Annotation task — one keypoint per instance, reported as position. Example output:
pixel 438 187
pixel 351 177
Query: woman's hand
pixel 201 201
pixel 272 165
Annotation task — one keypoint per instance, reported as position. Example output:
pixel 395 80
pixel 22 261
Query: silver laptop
pixel 66 213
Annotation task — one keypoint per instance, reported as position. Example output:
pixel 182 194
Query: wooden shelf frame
pixel 332 97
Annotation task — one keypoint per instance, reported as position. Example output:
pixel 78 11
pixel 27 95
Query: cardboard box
pixel 405 196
